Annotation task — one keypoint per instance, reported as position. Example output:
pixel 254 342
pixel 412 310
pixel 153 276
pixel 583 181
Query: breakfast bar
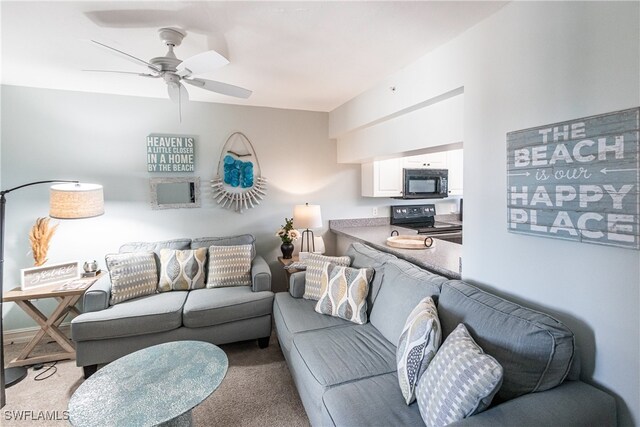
pixel 442 257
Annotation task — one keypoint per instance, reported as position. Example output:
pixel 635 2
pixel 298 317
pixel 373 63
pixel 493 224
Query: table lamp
pixel 69 200
pixel 307 216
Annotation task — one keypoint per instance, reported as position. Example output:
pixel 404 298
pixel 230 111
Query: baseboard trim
pixel 24 335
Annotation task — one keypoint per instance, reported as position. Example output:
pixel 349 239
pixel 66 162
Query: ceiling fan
pixel 175 71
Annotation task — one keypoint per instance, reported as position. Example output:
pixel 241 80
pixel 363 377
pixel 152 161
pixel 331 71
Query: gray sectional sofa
pixel 346 373
pixel 103 333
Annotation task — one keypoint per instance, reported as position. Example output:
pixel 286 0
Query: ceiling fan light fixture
pixel 174 71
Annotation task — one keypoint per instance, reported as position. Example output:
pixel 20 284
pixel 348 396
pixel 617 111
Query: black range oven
pixel 422 219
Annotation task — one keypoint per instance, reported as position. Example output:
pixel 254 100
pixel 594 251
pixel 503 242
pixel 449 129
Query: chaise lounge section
pixel 346 374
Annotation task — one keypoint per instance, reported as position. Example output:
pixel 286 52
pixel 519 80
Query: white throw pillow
pixel 229 266
pixel 417 346
pixel 460 381
pixel 182 270
pixel 132 274
pixel 315 266
pixel 344 292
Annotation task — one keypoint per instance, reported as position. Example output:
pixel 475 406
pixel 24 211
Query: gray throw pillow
pixel 132 275
pixel 460 381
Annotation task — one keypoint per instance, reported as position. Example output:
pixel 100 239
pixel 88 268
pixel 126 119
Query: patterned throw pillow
pixel 460 381
pixel 343 292
pixel 418 344
pixel 229 266
pixel 182 270
pixel 315 266
pixel 132 275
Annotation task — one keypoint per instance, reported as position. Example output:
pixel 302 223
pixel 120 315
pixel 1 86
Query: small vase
pixel 287 250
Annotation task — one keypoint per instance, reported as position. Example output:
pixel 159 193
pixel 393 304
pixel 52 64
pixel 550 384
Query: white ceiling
pixel 297 55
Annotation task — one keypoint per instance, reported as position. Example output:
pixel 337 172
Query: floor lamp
pixel 307 216
pixel 69 200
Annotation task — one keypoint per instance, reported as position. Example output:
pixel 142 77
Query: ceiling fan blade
pixel 177 92
pixel 127 56
pixel 201 63
pixel 124 72
pixel 219 87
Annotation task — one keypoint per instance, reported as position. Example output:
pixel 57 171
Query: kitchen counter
pixel 442 258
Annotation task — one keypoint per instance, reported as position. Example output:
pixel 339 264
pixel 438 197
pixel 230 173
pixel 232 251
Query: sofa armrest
pixel 572 403
pixel 97 297
pixel 260 275
pixel 296 284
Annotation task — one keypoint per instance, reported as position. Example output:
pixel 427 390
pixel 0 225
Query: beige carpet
pixel 257 391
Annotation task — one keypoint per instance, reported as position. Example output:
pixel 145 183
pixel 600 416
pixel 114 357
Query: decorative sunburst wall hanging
pixel 239 183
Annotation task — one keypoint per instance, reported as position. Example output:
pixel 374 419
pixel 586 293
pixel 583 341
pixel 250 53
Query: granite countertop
pixel 442 258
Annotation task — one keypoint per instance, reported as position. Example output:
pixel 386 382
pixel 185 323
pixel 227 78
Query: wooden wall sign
pixel 171 153
pixel 577 180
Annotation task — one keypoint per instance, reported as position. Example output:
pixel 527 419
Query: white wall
pixel 527 65
pixel 48 134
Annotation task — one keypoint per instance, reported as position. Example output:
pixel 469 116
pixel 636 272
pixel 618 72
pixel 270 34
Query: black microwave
pixel 425 183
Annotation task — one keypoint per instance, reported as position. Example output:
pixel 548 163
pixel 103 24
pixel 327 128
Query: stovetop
pixel 421 218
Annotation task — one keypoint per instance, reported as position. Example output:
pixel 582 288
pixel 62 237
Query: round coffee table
pixel 158 385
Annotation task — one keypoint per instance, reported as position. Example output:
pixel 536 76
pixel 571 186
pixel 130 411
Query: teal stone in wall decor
pixel 577 180
pixel 171 153
pixel 238 184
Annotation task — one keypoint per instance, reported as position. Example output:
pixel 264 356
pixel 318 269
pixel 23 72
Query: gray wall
pixel 50 134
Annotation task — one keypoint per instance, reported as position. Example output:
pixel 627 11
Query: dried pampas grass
pixel 40 237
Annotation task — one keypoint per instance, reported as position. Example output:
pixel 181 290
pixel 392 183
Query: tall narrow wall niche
pixel 238 183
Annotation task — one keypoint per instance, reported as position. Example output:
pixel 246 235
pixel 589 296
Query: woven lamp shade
pixel 73 201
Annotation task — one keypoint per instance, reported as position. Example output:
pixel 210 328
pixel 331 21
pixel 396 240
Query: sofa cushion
pixel 460 381
pixel 294 315
pixel 208 307
pixel 364 256
pixel 132 275
pixel 181 270
pixel 534 349
pixel 373 401
pixel 240 239
pixel 343 292
pixel 418 344
pixel 403 286
pixel 229 266
pixel 337 355
pixel 315 266
pixel 155 247
pixel 140 316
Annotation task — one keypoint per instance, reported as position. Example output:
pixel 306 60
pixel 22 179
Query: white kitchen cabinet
pixel 426 161
pixel 382 178
pixel 455 166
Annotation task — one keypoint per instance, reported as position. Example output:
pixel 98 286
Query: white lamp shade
pixel 76 200
pixel 307 216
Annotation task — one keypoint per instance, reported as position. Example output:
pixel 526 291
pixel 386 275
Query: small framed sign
pixel 171 153
pixel 47 275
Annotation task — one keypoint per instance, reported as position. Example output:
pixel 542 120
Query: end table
pixel 67 297
pixel 286 262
